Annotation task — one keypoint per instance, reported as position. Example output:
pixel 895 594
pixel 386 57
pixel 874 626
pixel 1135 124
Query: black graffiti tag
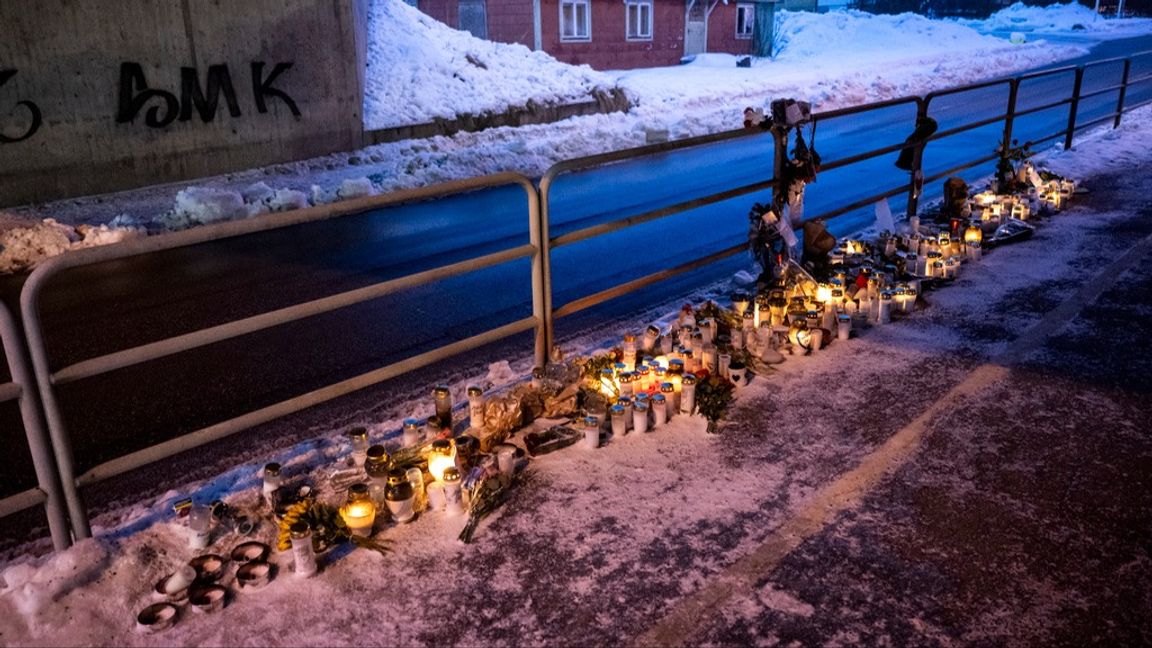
pixel 5 75
pixel 163 107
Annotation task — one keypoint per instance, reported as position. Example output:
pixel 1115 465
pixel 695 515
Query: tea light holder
pixel 254 574
pixel 174 587
pixel 207 599
pixel 156 618
pixel 441 457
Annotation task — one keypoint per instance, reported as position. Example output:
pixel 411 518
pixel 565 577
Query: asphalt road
pixel 107 307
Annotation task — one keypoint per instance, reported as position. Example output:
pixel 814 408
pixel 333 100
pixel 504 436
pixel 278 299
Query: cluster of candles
pixel 376 488
pixel 991 208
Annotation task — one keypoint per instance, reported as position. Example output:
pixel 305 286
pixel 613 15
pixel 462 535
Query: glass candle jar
pixel 400 496
pixel 358 512
pixel 688 394
pixel 200 525
pixel 475 407
pixel 413 433
pixel 843 326
pixel 736 339
pixel 626 403
pixel 659 410
pixel 651 337
pixel 640 417
pixel 303 554
pixel 619 425
pixel 272 481
pixel 884 314
pixel 359 439
pixel 441 457
pixel 453 497
pixel 442 396
pixel 376 466
pixel 591 432
pixel 629 352
pixel 627 383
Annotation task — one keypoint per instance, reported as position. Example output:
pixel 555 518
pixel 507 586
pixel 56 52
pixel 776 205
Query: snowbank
pixel 420 69
pixel 1058 18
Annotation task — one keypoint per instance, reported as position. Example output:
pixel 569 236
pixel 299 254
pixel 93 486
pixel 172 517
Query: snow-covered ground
pixel 89 594
pixel 833 60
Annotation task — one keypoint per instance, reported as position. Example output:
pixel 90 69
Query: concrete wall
pixel 81 66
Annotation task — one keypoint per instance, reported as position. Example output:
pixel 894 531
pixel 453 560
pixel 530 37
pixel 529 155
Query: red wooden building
pixel 605 34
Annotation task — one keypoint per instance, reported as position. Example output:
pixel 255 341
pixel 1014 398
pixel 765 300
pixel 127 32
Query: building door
pixel 474 17
pixel 696 27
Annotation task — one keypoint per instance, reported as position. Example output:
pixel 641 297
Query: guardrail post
pixel 42 460
pixel 779 160
pixel 61 445
pixel 916 174
pixel 1073 106
pixel 1123 91
pixel 1009 117
pixel 541 276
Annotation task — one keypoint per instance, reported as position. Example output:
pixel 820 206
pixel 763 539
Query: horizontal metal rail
pixel 1044 73
pixel 601 159
pixel 656 214
pixel 203 337
pixel 961 167
pixel 856 110
pixel 967 127
pixel 860 157
pixel 232 426
pixel 965 88
pixel 9 392
pixel 594 299
pixel 1048 106
pixel 863 202
pixel 22 501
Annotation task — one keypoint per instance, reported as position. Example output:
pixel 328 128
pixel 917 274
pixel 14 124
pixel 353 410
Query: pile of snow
pixel 1057 18
pixel 420 69
pixel 804 36
pixel 23 247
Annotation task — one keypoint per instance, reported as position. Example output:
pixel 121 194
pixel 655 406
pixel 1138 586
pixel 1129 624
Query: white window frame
pixel 573 6
pixel 638 14
pixel 749 12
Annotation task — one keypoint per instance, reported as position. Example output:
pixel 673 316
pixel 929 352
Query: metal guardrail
pixel 48 378
pixel 23 390
pixel 539 249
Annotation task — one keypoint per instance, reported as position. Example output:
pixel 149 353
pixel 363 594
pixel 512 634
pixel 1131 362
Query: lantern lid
pixel 441 390
pixel 442 446
pixel 358 433
pixel 474 390
pixel 271 469
pixel 451 474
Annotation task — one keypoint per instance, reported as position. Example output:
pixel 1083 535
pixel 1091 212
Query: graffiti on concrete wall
pixel 162 107
pixel 22 119
pixel 32 109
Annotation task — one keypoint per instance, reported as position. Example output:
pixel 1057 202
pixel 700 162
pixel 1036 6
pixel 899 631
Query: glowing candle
pixel 441 457
pixel 359 512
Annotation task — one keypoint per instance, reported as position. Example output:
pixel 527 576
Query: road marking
pixel 690 616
